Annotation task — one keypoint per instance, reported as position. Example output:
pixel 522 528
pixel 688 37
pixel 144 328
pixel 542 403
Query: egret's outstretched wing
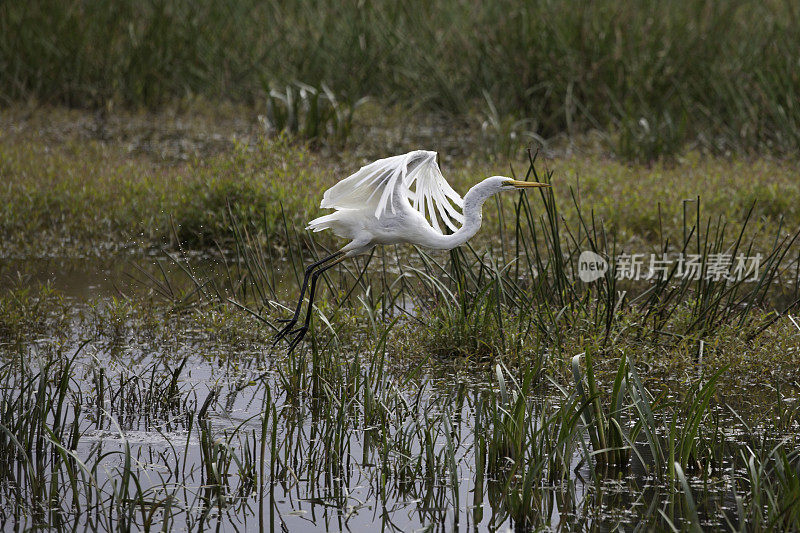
pixel 432 190
pixel 414 176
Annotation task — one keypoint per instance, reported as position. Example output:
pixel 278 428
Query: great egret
pixel 395 200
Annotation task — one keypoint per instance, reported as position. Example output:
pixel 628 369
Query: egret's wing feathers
pixel 414 175
pixel 432 189
pixel 364 188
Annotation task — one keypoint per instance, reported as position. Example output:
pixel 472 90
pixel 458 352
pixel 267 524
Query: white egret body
pixel 398 199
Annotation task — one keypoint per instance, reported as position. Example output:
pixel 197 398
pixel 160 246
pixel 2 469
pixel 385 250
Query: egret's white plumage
pixel 398 199
pixel 414 175
pixel 391 192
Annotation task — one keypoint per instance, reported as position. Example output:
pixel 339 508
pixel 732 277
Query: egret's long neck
pixel 473 205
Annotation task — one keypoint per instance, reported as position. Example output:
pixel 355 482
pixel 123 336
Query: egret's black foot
pixel 286 330
pixel 299 333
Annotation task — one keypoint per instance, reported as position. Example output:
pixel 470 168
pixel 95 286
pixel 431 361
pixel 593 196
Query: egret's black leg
pixel 300 332
pixel 290 322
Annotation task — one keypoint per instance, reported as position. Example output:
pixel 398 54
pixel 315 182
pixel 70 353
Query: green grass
pixel 347 395
pixel 321 411
pixel 27 310
pixel 516 296
pixel 82 195
pixel 652 76
pixel 69 188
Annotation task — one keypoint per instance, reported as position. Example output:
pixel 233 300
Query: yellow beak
pixel 525 184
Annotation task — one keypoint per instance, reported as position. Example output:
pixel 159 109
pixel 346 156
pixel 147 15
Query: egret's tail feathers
pixel 333 221
pixel 321 223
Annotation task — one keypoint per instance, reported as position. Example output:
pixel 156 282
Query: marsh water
pixel 371 446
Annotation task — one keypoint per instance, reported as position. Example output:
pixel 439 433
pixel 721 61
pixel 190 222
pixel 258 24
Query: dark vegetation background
pixel 652 76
